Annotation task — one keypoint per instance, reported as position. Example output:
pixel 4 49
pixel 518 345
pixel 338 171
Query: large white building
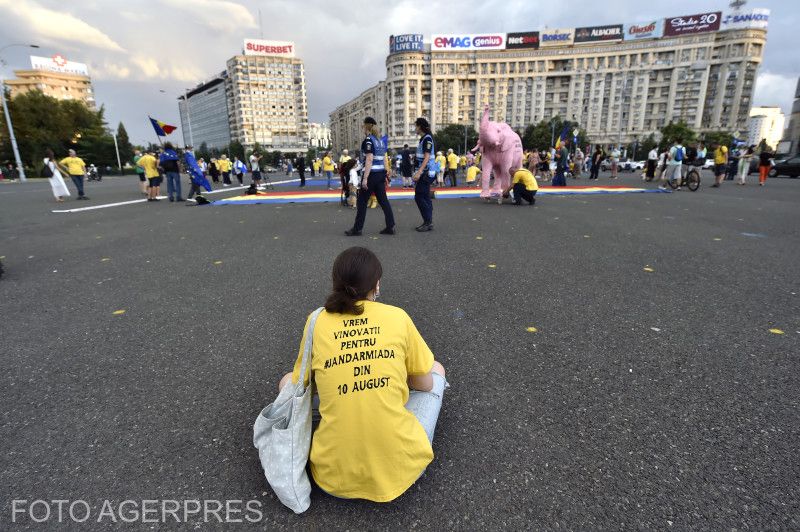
pixel 319 135
pixel 204 114
pixel 766 123
pixel 620 82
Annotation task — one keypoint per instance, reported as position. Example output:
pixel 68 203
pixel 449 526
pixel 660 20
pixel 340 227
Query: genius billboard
pixel 411 42
pixel 528 39
pixel 644 30
pixel 557 37
pixel 463 42
pixel 687 25
pixel 593 34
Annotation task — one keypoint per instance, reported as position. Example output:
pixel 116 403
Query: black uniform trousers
pixel 376 184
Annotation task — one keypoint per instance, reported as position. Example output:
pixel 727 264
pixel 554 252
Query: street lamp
pixel 11 136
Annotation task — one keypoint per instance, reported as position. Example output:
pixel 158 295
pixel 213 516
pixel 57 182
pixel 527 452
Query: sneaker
pixel 678 188
pixel 352 232
pixel 662 187
pixel 425 227
pixel 715 185
pixel 225 185
pixel 388 231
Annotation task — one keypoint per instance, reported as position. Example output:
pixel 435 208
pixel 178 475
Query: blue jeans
pixel 78 180
pixel 422 195
pixel 174 184
pixel 329 175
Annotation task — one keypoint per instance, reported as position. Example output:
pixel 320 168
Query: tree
pixel 235 149
pixel 648 144
pixel 544 135
pixel 676 131
pixel 723 138
pixel 452 136
pixel 202 152
pixel 124 145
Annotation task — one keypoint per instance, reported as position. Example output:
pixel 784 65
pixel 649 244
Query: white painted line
pixel 144 200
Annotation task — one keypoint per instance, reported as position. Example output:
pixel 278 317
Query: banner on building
pixel 58 63
pixel 261 47
pixel 411 42
pixel 647 30
pixel 528 39
pixel 556 37
pixel 593 34
pixel 689 24
pixel 739 20
pixel 463 42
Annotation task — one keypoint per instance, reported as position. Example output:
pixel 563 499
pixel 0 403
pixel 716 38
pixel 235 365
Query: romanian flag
pixel 162 129
pixel 563 136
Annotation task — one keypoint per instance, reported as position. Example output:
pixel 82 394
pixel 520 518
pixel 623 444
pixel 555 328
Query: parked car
pixel 789 167
pixel 632 166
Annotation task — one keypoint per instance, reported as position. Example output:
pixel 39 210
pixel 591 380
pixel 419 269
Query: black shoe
pixel 425 227
pixel 179 199
pixel 352 232
pixel 388 231
pixel 171 199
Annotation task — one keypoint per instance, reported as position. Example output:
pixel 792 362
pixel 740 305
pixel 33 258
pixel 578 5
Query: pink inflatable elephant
pixel 501 150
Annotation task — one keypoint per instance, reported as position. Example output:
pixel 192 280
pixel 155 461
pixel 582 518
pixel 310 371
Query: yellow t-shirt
pixel 367 445
pixel 316 165
pixel 327 164
pixel 75 165
pixel 720 155
pixel 462 161
pixel 472 173
pixel 150 165
pixel 452 161
pixel 343 159
pixel 441 161
pixel 224 165
pixel 526 178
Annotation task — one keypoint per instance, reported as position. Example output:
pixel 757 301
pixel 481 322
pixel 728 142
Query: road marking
pixel 532 329
pixel 118 312
pixel 133 202
pixel 776 331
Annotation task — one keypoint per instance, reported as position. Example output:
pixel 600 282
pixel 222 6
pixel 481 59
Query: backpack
pixel 46 171
pixel 679 152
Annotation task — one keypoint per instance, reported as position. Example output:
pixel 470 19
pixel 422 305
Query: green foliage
pixel 648 144
pixel 676 131
pixel 722 138
pixel 235 149
pixel 544 135
pixel 202 152
pixel 452 136
pixel 41 122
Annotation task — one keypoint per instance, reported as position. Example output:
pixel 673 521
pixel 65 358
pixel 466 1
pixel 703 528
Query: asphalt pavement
pixel 616 362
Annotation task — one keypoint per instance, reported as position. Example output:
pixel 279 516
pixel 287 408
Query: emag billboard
pixel 644 30
pixel 411 42
pixel 689 24
pixel 528 39
pixel 464 42
pixel 594 34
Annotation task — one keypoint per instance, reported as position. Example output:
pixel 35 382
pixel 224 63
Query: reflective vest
pixel 431 159
pixel 378 155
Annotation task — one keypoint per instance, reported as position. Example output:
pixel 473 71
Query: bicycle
pixel 691 180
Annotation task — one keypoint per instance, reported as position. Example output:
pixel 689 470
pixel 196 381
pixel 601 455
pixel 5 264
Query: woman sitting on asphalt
pixel 380 390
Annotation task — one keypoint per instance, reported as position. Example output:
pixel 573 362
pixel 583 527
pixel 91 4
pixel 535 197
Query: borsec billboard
pixel 557 37
pixel 411 42
pixel 465 42
pixel 594 34
pixel 686 25
pixel 528 39
pixel 646 30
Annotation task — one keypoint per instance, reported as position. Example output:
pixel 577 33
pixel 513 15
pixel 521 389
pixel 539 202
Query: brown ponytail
pixel 356 271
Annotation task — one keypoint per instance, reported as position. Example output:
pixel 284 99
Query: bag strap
pixel 309 341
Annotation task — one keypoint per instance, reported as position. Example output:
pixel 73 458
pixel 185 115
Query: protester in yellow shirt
pixel 150 165
pixel 380 390
pixel 76 168
pixel 442 162
pixel 452 166
pixel 720 164
pixel 472 173
pixel 224 166
pixel 524 186
pixel 327 167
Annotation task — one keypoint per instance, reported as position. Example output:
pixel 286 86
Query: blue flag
pixel 198 178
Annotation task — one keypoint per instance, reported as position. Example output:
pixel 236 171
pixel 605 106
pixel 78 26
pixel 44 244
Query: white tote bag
pixel 282 435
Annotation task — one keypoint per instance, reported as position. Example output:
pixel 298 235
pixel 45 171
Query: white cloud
pixel 218 15
pixel 51 26
pixel 776 90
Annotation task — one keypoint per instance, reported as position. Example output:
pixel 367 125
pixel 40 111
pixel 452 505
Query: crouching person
pixel 524 186
pixel 380 390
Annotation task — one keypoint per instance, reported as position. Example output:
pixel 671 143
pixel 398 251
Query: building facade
pixel 319 136
pixel 55 77
pixel 793 131
pixel 204 114
pixel 266 92
pixel 766 123
pixel 621 83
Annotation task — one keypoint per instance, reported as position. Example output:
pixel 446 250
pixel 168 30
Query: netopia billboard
pixel 464 42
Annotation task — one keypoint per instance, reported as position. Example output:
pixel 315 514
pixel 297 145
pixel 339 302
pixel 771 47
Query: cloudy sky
pixel 137 48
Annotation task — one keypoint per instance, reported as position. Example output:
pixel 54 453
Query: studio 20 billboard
pixel 595 34
pixel 644 30
pixel 702 23
pixel 411 42
pixel 260 47
pixel 557 37
pixel 528 39
pixel 464 42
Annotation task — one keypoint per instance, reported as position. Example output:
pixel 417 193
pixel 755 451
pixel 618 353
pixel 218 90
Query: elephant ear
pixel 503 140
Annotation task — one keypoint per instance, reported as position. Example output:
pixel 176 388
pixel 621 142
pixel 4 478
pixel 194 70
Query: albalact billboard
pixel 594 34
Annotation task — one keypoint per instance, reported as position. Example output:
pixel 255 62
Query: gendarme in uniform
pixel 375 176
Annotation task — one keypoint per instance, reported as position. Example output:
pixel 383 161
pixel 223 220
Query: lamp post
pixel 14 147
pixel 188 115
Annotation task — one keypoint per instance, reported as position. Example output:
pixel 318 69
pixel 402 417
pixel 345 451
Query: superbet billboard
pixel 464 42
pixel 261 47
pixel 689 24
pixel 556 37
pixel 528 39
